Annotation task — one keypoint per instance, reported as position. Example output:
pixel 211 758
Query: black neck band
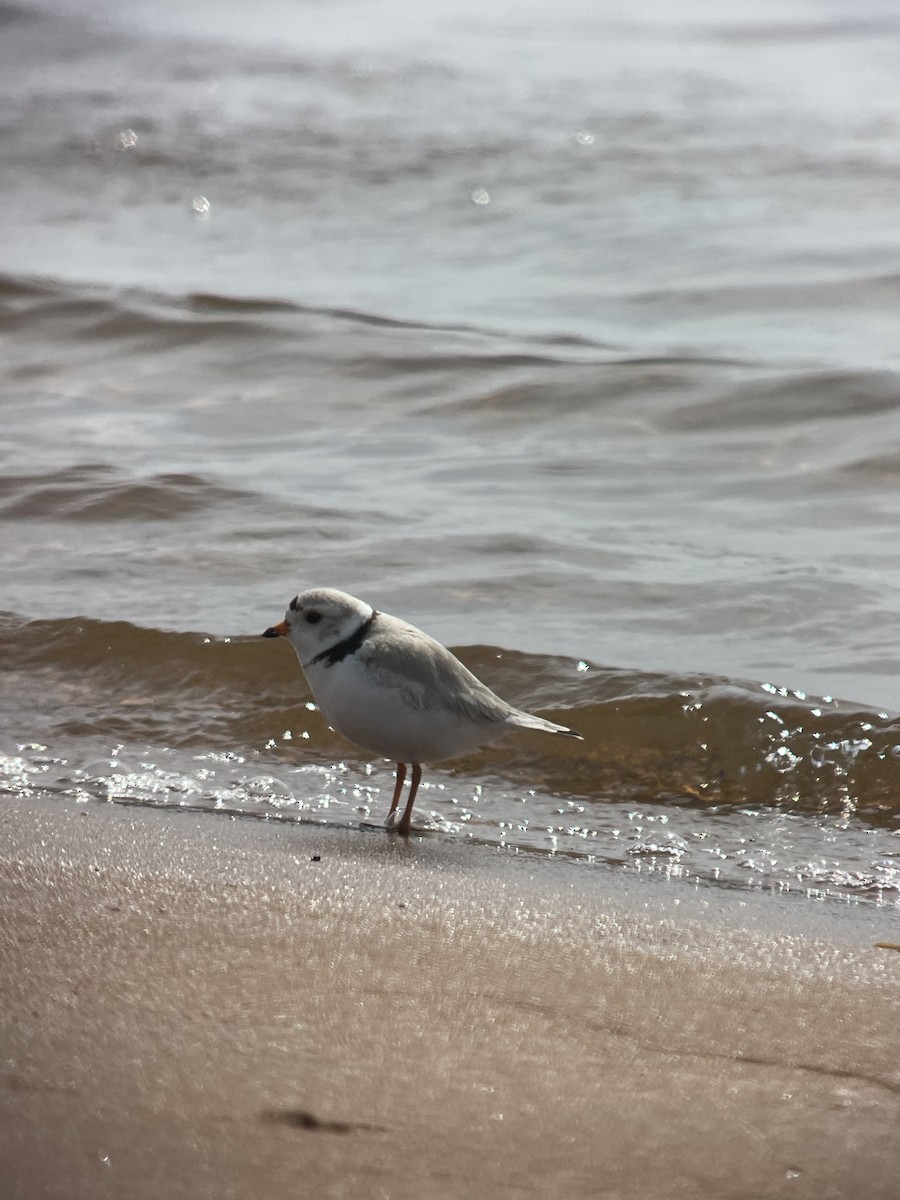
pixel 349 645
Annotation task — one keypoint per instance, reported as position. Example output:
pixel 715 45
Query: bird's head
pixel 318 619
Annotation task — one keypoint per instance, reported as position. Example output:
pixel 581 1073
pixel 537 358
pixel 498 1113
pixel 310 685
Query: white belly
pixel 378 718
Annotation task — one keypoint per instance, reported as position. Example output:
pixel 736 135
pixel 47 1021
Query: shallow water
pixel 568 335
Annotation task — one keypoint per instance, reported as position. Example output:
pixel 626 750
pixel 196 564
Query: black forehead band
pixel 294 605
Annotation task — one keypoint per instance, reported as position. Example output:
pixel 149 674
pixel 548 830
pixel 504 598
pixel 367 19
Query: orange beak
pixel 279 630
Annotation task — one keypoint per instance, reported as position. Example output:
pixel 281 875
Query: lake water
pixel 569 333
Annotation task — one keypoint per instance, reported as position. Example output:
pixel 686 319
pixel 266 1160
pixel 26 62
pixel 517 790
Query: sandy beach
pixel 202 1007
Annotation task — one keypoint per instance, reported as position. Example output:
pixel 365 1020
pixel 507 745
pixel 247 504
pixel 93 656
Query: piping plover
pixel 392 689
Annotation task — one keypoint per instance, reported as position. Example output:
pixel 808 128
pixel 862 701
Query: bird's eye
pixel 293 606
pixel 313 618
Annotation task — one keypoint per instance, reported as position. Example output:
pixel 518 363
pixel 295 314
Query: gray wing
pixel 429 676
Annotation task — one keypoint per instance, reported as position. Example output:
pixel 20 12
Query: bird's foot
pixel 394 824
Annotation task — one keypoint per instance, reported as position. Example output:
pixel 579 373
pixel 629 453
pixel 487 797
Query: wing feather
pixel 427 674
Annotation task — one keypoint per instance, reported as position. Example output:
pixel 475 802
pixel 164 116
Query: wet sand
pixel 197 1007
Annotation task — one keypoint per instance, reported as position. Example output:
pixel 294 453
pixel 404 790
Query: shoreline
pixel 203 1008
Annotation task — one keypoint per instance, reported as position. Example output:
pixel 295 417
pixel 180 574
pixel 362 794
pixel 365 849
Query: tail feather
pixel 529 721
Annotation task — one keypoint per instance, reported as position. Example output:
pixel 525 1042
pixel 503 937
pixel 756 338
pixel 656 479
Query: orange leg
pixel 415 779
pixel 401 776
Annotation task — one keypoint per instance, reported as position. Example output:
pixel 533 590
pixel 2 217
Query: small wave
pixel 709 742
pixel 790 398
pixel 94 492
pixel 551 388
pixel 877 470
pixel 20 287
pixel 210 302
pixel 89 313
pixel 92 312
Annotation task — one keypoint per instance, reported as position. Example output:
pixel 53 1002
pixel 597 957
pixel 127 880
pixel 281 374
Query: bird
pixel 392 690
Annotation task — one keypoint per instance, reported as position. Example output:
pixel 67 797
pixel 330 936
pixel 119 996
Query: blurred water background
pixel 568 332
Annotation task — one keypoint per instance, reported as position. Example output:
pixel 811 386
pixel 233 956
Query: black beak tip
pixel 270 632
